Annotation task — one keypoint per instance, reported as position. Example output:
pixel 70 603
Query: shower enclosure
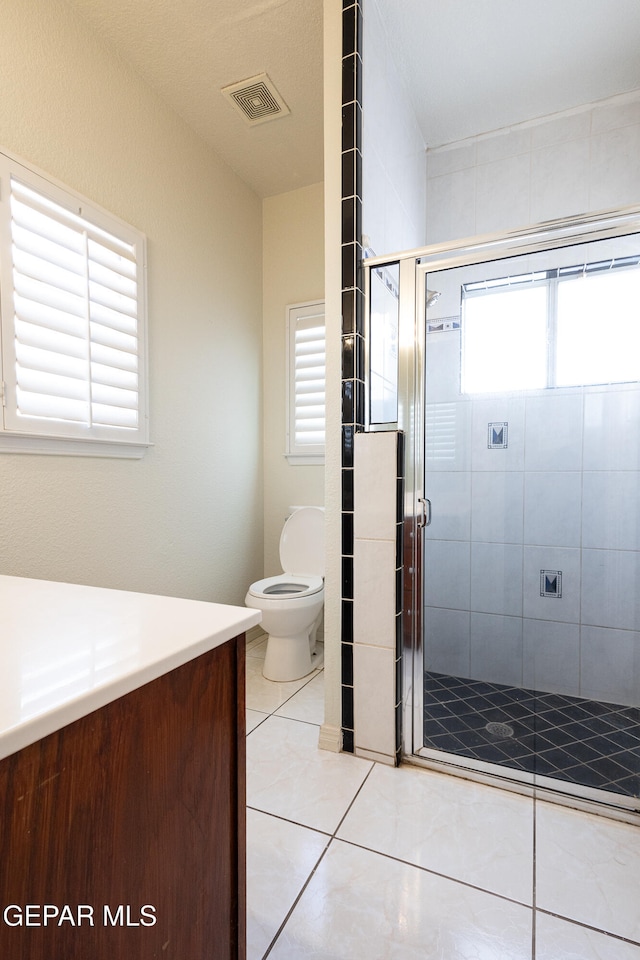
pixel 512 366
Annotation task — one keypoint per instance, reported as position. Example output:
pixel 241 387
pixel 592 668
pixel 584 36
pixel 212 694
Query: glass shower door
pixel 530 659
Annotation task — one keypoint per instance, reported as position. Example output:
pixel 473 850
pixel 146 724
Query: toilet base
pixel 292 658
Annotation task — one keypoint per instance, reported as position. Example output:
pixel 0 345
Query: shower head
pixel 432 296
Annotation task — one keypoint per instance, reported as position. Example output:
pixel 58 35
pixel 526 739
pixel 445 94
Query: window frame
pixel 59 437
pixel 296 453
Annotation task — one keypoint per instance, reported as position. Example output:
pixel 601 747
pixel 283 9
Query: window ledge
pixel 305 459
pixel 72 448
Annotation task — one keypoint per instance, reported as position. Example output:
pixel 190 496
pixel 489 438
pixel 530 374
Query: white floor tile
pixel 280 858
pixel 362 905
pixel 257 648
pixel 464 830
pixel 307 704
pixel 288 775
pixel 266 695
pixel 558 939
pixel 253 718
pixel 588 869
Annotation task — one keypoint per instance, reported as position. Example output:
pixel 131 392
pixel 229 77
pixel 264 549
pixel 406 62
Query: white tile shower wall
pixel 394 158
pixel 374 598
pixel 554 167
pixel 502 515
pixel 564 491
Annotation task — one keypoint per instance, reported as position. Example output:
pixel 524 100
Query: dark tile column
pixel 352 325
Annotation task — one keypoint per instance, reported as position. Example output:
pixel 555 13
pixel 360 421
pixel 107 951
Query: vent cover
pixel 257 99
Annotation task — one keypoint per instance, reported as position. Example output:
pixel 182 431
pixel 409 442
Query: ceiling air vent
pixel 257 99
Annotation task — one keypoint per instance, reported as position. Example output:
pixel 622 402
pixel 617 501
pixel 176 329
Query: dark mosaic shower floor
pixel 583 741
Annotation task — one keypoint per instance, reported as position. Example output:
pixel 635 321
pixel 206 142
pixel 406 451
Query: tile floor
pixel 569 738
pixel 352 860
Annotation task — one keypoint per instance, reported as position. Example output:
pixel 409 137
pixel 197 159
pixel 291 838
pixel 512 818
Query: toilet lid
pixel 302 542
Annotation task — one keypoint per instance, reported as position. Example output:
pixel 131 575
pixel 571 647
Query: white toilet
pixel 292 602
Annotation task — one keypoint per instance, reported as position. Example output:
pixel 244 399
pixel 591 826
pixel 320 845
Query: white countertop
pixel 66 650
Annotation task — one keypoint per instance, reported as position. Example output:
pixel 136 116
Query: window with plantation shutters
pixel 73 333
pixel 306 382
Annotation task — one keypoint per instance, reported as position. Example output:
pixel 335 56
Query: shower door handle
pixel 425 519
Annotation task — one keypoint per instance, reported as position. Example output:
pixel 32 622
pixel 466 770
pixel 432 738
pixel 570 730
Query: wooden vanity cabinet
pixel 138 808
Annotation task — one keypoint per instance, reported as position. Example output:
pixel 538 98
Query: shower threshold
pixel 584 742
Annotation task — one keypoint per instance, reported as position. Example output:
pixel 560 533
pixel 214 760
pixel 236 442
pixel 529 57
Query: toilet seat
pixel 301 556
pixel 286 587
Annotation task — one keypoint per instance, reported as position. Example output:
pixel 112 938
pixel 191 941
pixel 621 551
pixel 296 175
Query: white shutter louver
pixel 306 380
pixel 72 345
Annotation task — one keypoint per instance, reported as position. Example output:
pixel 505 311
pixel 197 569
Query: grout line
pixel 309 723
pixel 260 722
pixel 588 926
pixel 295 823
pixel 331 837
pixel 295 902
pixel 355 797
pixel 435 873
pixel 271 713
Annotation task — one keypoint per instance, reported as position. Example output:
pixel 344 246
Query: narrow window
pixel 504 345
pixel 306 382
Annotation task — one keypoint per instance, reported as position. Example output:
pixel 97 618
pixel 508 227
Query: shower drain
pixel 501 730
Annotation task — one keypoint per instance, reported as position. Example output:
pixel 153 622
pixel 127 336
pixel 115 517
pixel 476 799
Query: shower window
pixel 565 327
pixel 598 328
pixel 499 354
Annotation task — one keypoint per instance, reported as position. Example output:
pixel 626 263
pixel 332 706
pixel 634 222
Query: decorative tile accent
pixel 347 534
pixel 498 436
pixel 347 490
pixel 347 663
pixel 347 445
pixel 347 578
pixel 353 411
pixel 443 324
pixel 551 583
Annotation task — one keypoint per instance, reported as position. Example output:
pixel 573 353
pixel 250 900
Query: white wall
pixel 187 519
pixel 393 161
pixel 576 162
pixel 330 733
pixel 293 272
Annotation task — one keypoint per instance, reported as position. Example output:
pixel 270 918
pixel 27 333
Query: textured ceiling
pixel 471 66
pixel 189 49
